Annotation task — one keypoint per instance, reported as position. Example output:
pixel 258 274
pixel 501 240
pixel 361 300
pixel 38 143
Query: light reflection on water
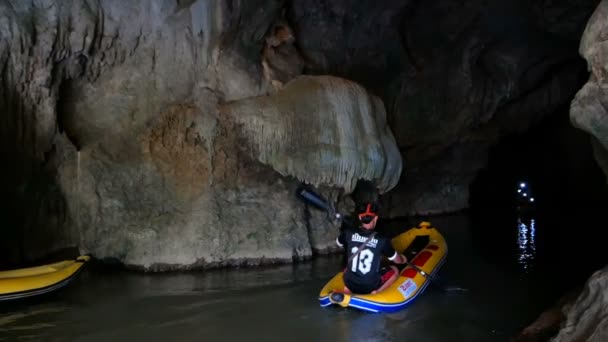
pixel 526 235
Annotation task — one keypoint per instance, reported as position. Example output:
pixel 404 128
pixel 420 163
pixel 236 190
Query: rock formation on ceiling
pixel 455 77
pixel 325 131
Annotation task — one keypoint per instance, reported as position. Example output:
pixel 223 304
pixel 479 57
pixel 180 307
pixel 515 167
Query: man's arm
pixel 398 258
pixel 393 255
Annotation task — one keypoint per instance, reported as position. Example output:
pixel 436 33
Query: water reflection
pixel 280 303
pixel 526 242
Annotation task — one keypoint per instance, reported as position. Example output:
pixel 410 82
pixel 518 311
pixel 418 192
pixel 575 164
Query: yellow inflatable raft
pixel 32 281
pixel 424 247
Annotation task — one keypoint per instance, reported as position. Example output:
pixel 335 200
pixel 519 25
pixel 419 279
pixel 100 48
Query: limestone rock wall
pixel 589 108
pixel 173 132
pixel 117 145
pixel 587 317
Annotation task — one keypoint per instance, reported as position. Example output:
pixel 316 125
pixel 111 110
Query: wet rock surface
pixel 117 143
pixel 579 315
pixel 116 139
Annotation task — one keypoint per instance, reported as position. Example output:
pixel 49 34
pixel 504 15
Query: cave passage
pixel 558 235
pixel 553 159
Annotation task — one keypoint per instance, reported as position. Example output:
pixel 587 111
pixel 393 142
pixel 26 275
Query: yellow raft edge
pixel 34 281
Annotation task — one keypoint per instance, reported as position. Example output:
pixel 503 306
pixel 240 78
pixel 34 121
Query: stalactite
pixel 323 130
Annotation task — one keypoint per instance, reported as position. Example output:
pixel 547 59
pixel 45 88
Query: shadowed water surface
pixel 280 303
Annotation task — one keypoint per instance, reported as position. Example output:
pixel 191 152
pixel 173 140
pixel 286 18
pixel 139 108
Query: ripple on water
pixel 280 304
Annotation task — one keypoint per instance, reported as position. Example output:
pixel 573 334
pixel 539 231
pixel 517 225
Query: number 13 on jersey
pixel 363 261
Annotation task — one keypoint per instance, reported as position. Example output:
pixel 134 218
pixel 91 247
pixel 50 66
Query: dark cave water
pixel 509 283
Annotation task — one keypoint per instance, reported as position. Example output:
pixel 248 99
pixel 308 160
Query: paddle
pixel 318 201
pixel 434 279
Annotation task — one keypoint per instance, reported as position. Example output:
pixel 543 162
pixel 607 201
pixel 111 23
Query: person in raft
pixel 363 273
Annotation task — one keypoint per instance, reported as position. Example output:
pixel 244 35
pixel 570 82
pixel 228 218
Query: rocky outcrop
pixel 325 131
pixel 455 78
pixel 181 194
pixel 589 108
pixel 587 318
pixel 547 325
pixel 580 315
pixel 121 103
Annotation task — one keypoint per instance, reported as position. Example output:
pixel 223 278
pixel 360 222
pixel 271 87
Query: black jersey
pixel 362 274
